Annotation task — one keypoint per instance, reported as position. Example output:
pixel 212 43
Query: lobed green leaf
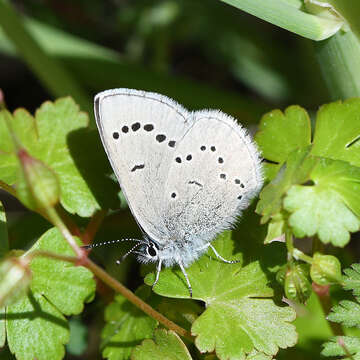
pixel 337 131
pixel 240 316
pixel 126 326
pixel 63 284
pixel 330 207
pixel 346 313
pixel 58 288
pixel 351 280
pixel 333 347
pixel 53 137
pixel 282 133
pixel 315 188
pixel 166 346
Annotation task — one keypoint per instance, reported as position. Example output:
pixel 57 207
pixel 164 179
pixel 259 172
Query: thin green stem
pixel 52 255
pixel 299 255
pixel 322 291
pixel 289 243
pixel 346 350
pixel 7 188
pixel 56 220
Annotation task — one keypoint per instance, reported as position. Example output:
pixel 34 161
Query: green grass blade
pixel 350 10
pixel 86 60
pixel 288 15
pixel 339 60
pixel 52 75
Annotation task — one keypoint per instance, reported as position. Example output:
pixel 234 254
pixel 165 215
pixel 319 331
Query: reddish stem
pixel 323 293
pixel 92 227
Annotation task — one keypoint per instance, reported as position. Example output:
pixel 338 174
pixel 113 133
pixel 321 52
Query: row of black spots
pixel 238 182
pixel 212 148
pixel 148 127
pixel 188 158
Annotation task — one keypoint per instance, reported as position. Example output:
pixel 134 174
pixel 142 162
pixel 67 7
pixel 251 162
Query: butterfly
pixel 185 175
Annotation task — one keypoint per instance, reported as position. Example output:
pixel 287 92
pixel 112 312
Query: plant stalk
pixel 83 260
pixel 117 286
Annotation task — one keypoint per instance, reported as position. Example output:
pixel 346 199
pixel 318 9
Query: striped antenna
pixel 118 262
pixel 111 242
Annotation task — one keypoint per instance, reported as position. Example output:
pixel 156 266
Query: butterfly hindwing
pixel 220 173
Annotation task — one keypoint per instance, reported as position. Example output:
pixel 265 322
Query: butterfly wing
pixel 140 131
pixel 220 172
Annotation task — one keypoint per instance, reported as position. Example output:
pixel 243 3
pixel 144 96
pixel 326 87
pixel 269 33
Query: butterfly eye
pixel 151 250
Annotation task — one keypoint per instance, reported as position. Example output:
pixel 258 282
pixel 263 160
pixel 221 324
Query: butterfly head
pixel 148 252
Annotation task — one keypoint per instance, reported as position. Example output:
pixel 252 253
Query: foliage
pixel 348 314
pixel 316 184
pixel 53 163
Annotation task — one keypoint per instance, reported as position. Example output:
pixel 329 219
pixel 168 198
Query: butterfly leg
pixel 186 278
pixel 221 258
pixel 157 274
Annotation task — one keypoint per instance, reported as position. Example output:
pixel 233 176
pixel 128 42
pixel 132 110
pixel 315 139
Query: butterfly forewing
pixel 140 132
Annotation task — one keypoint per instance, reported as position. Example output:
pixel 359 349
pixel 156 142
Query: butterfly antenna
pixel 118 262
pixel 111 242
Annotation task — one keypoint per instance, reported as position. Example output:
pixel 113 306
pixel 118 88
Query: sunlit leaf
pixel 166 346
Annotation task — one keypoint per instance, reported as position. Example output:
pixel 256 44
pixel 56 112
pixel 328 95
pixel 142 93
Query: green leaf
pixel 58 288
pixel 276 229
pixel 4 242
pixel 296 170
pixel 2 327
pixel 78 337
pixel 337 131
pixel 282 133
pixel 46 137
pixel 346 313
pixel 331 207
pixel 36 329
pixel 63 284
pixel 333 348
pixel 126 326
pixel 182 311
pixel 166 346
pixel 258 356
pixel 351 280
pixel 289 15
pixel 240 315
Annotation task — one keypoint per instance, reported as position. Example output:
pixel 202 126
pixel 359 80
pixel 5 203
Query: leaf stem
pixel 52 255
pixel 322 291
pixel 299 255
pixel 292 251
pixel 7 188
pixel 56 220
pixel 146 308
pixel 92 227
pixel 346 350
pixel 83 260
pixel 115 285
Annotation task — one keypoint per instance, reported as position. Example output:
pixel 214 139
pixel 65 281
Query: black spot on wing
pixel 193 182
pixel 160 138
pixel 137 167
